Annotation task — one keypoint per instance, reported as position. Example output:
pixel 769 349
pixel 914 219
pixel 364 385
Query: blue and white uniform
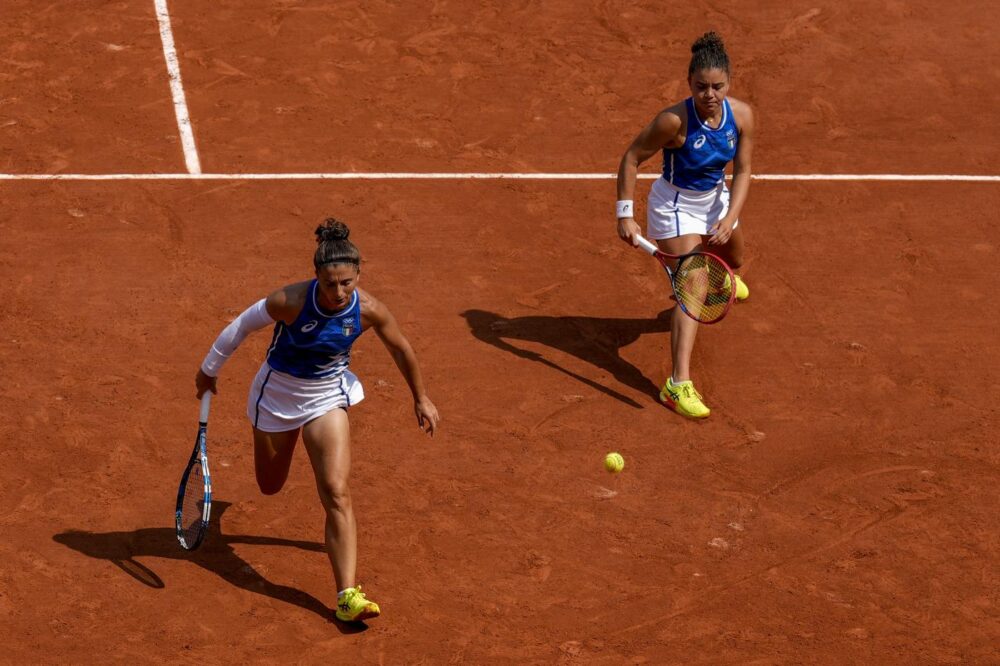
pixel 306 374
pixel 692 194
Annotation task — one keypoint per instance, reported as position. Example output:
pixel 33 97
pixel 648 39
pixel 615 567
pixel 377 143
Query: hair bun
pixel 332 229
pixel 710 40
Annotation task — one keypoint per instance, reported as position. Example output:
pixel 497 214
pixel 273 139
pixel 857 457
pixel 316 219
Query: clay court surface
pixel 839 507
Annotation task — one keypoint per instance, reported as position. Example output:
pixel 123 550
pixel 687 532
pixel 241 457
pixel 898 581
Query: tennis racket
pixel 194 496
pixel 702 282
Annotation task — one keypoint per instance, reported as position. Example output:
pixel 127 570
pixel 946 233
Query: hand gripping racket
pixel 702 282
pixel 194 496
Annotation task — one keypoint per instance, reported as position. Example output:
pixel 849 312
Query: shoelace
pixel 350 597
pixel 688 390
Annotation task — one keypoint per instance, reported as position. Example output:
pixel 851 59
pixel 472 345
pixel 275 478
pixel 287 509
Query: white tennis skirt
pixel 673 212
pixel 280 402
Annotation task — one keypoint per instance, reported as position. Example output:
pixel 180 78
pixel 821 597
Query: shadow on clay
pixel 216 554
pixel 596 340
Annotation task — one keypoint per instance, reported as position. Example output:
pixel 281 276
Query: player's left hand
pixel 203 382
pixel 721 231
pixel 427 415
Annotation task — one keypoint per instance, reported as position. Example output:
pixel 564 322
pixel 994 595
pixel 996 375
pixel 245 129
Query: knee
pixel 269 486
pixel 335 493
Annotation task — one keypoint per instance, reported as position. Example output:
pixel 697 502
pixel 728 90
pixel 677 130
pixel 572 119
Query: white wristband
pixel 624 208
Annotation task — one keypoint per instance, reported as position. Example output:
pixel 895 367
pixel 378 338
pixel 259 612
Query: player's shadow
pixel 596 340
pixel 216 554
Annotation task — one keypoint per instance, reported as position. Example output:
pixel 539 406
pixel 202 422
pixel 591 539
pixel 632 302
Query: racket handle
pixel 646 245
pixel 206 398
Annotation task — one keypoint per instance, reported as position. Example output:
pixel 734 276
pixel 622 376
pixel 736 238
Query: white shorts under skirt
pixel 279 402
pixel 673 212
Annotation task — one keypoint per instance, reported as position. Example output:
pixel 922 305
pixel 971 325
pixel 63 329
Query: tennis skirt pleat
pixel 673 212
pixel 278 401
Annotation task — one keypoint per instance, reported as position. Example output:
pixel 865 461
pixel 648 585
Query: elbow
pixel 402 357
pixel 629 161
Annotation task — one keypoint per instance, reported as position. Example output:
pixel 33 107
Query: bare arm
pixel 286 303
pixel 661 132
pixel 723 229
pixel 376 315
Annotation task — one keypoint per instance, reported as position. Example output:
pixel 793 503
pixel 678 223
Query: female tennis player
pixel 690 207
pixel 304 384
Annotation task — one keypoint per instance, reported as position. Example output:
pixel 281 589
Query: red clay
pixel 838 507
pixel 84 89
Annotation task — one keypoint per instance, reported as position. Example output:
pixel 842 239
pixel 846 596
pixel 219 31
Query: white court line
pixel 196 175
pixel 176 89
pixel 919 178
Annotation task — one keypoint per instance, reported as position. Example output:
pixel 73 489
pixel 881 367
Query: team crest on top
pixel 731 138
pixel 347 326
pixel 699 142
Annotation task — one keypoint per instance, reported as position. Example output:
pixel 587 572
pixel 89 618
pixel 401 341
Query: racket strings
pixel 703 286
pixel 193 505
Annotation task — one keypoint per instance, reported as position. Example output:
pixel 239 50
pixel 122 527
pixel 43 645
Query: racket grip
pixel 646 245
pixel 206 398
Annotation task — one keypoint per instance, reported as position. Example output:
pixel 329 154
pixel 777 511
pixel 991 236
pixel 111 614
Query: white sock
pixel 340 595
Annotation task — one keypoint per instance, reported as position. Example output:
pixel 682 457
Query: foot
pixel 742 291
pixel 352 606
pixel 684 399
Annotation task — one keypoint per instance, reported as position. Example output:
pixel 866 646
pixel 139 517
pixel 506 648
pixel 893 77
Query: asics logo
pixel 310 326
pixel 699 142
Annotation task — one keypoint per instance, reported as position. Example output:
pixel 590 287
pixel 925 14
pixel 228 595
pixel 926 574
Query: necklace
pixel 712 122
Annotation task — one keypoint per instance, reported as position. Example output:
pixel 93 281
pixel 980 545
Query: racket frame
pixel 664 258
pixel 199 456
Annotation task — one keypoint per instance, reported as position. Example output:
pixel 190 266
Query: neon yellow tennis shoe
pixel 352 606
pixel 683 399
pixel 742 291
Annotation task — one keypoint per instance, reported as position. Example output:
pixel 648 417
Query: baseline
pixel 966 178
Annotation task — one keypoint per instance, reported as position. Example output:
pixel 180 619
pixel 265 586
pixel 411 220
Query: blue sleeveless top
pixel 700 163
pixel 317 345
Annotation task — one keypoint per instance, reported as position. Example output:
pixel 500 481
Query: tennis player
pixel 689 207
pixel 305 384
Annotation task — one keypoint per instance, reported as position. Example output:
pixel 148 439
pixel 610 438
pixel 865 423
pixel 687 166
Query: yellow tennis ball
pixel 614 463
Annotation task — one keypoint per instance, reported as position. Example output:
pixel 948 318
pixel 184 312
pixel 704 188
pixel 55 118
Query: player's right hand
pixel 203 382
pixel 427 415
pixel 629 231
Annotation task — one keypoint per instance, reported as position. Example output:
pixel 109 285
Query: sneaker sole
pixel 362 616
pixel 670 404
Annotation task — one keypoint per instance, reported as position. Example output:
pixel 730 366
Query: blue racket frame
pixel 199 456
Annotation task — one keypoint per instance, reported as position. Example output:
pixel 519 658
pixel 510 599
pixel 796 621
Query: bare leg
pixel 272 457
pixel 732 251
pixel 683 329
pixel 328 442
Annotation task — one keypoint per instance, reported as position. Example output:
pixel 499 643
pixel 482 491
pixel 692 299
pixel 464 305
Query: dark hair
pixel 334 248
pixel 708 52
